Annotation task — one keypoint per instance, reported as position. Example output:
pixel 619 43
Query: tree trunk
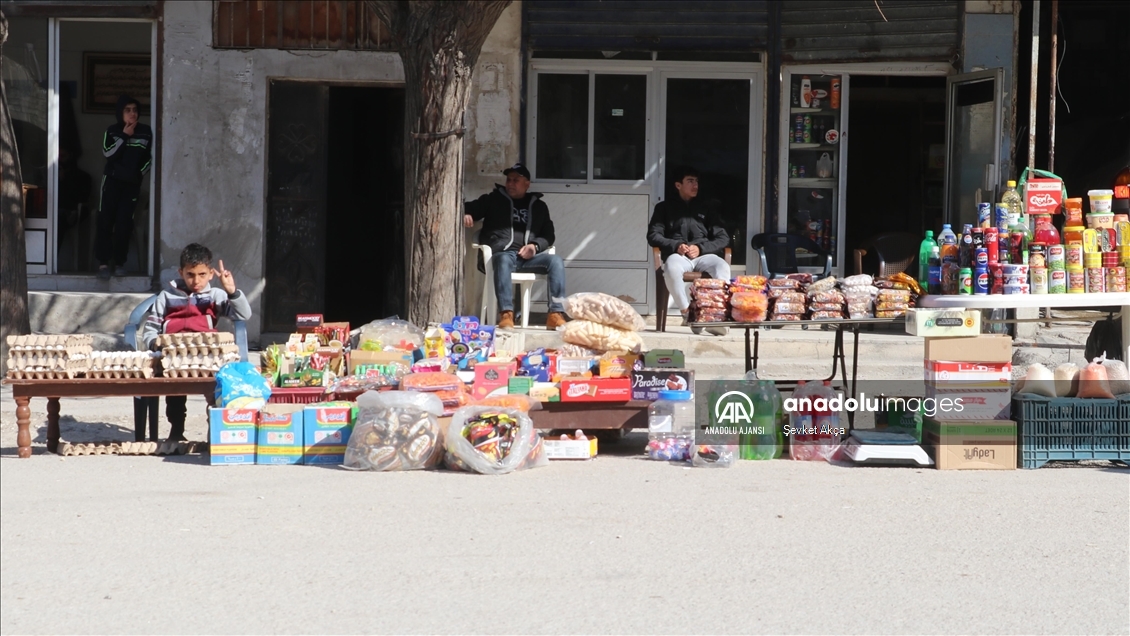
pixel 439 43
pixel 13 254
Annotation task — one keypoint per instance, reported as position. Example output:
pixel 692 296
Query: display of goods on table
pixel 395 430
pixel 797 297
pixel 196 355
pixel 40 356
pixel 710 300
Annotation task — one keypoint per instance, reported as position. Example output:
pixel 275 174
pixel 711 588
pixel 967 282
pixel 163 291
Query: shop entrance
pixel 335 201
pixel 896 167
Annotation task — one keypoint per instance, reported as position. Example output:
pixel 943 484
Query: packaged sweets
pixel 826 315
pixel 831 296
pixel 749 300
pixel 893 295
pixel 824 284
pixel 431 381
pixel 757 282
pixel 710 283
pixel 492 441
pixel 802 278
pixel 890 313
pixel 814 307
pixel 858 280
pixel 395 430
pixel 788 308
pixel 788 296
pixel 784 283
pixel 749 315
pixel 787 317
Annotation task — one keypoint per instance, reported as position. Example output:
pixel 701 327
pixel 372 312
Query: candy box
pixel 943 322
pixel 665 358
pixel 361 357
pixel 305 323
pixel 280 434
pixel 520 385
pixel 617 364
pixel 490 377
pixel 468 341
pixel 574 366
pixel 326 427
pixel 596 390
pixel 231 435
pixel 987 348
pixel 569 448
pixel 539 365
pixel 647 383
pixel 545 392
pixel 970 445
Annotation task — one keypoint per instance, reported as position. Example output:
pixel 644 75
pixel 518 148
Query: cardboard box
pixel 596 390
pixel 990 375
pixel 664 358
pixel 986 348
pixel 539 365
pixel 360 357
pixel 574 366
pixel 977 403
pixel 520 385
pixel 647 383
pixel 307 321
pixel 325 431
pixel 231 436
pixel 1043 196
pixel 571 448
pixel 617 364
pixel 545 392
pixel 972 445
pixel 280 434
pixel 943 322
pixel 490 377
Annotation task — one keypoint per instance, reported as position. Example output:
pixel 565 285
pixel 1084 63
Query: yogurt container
pixel 1100 220
pixel 1017 289
pixel 1100 200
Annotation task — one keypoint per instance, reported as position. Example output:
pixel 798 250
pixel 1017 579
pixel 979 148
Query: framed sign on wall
pixel 108 75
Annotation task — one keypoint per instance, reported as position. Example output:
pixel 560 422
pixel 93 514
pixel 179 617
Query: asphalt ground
pixel 620 544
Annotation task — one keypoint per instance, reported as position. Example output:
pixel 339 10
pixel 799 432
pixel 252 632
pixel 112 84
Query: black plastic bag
pixel 1106 337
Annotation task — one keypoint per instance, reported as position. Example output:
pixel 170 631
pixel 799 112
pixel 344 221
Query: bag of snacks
pixel 827 315
pixel 784 283
pixel 600 338
pixel 749 300
pixel 826 307
pixel 787 296
pixel 802 278
pixel 710 283
pixel 515 401
pixel 1094 382
pixel 890 313
pixel 828 296
pixel 390 334
pixel 788 308
pixel 710 314
pixel 858 280
pixel 574 351
pixel 893 295
pixel 430 381
pixel 824 284
pixel 751 281
pixel 395 430
pixel 605 310
pixel 788 317
pixel 492 441
pixel 749 315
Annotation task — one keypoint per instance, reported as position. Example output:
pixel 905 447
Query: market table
pixel 53 390
pixel 1109 302
pixel 591 415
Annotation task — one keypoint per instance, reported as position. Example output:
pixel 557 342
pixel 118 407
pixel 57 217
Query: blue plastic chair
pixel 143 406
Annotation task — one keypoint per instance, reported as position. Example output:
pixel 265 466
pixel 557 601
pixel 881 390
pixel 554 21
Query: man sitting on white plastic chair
pixel 517 227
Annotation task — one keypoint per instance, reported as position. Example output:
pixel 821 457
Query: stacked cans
pixel 1057 270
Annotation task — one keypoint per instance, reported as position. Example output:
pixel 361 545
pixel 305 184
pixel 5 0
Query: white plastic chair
pixel 488 313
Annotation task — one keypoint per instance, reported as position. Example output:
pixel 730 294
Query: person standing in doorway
pixel 128 148
pixel 690 237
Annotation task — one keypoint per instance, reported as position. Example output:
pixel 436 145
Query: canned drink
pixel 807 131
pixel 801 172
pixel 798 129
pixel 793 171
pixel 1074 256
pixel 1037 255
pixel 1076 281
pixel 978 236
pixel 1039 280
pixel 1000 217
pixel 1055 257
pixel 981 279
pixel 1057 281
pixel 966 278
pixel 1016 247
pixel 1096 280
pixel 996 279
pixel 984 215
pixel 981 257
pixel 991 245
pixel 1115 280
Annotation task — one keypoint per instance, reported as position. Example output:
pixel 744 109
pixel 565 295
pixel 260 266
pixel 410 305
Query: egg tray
pixel 200 350
pixel 123 364
pixel 58 342
pixel 30 374
pixel 41 362
pixel 68 449
pixel 195 339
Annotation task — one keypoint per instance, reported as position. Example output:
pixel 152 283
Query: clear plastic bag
pixel 787 296
pixel 788 317
pixel 831 296
pixel 1094 381
pixel 827 315
pixel 757 282
pixel 710 283
pixel 893 295
pixel 575 351
pixel 890 313
pixel 390 334
pixel 603 309
pixel 884 305
pixel 814 307
pixel 516 401
pixel 784 283
pixel 856 292
pixel 824 284
pixel 600 338
pixel 430 381
pixel 492 441
pixel 746 301
pixel 802 278
pixel 749 315
pixel 395 430
pixel 858 280
pixel 789 308
pixel 713 456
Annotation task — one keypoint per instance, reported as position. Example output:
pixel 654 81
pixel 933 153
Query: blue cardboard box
pixel 231 436
pixel 326 427
pixel 280 434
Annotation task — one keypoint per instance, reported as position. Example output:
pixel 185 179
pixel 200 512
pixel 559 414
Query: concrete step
pixel 81 312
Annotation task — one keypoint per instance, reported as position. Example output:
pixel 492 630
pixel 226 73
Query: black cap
pixel 519 168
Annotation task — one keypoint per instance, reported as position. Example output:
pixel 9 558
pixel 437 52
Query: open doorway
pixel 896 167
pixel 335 201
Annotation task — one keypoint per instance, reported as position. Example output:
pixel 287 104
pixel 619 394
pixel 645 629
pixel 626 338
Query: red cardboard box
pixel 596 390
pixel 490 376
pixel 1043 196
pixel 983 374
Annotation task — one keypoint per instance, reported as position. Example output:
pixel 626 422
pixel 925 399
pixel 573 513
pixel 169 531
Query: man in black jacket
pixel 690 237
pixel 517 227
pixel 128 148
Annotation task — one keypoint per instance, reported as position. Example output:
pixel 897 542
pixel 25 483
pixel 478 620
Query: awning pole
pixel 1052 88
pixel 1033 81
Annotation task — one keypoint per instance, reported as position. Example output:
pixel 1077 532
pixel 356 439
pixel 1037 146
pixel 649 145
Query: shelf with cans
pixel 814 160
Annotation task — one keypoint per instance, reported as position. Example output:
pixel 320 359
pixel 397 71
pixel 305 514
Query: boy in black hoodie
pixel 128 148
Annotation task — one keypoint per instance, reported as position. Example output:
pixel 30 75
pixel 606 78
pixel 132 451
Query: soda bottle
pixel 965 250
pixel 1019 238
pixel 947 241
pixel 1011 199
pixel 759 440
pixel 934 283
pixel 1045 231
pixel 924 250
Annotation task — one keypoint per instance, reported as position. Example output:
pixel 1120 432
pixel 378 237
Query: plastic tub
pixel 1100 200
pixel 1097 221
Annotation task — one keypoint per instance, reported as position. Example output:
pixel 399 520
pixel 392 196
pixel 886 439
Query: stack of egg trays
pixel 122 364
pixel 45 356
pixel 196 355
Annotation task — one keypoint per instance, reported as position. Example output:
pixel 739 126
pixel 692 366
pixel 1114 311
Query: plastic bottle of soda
pixel 965 249
pixel 934 283
pixel 924 250
pixel 761 441
pixel 947 241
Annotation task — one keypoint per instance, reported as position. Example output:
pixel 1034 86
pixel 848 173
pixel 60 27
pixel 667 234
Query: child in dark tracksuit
pixel 128 148
pixel 192 304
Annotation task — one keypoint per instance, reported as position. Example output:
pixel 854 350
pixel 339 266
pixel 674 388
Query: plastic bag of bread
pixel 1066 380
pixel 749 315
pixel 1039 381
pixel 1094 382
pixel 395 430
pixel 749 300
pixel 573 351
pixel 1119 380
pixel 603 309
pixel 600 338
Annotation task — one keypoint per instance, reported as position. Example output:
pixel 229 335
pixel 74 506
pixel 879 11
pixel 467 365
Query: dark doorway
pixel 335 193
pixel 896 165
pixel 365 204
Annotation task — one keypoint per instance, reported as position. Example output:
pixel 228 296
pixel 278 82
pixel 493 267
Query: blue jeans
pixel 506 263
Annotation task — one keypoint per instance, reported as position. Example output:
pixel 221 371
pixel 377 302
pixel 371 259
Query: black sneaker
pixel 104 272
pixel 120 271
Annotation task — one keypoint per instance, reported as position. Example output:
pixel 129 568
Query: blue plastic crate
pixel 1071 429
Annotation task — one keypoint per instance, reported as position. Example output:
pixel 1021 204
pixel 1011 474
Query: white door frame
pixel 54 28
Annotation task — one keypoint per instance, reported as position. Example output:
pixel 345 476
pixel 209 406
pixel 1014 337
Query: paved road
pixel 619 544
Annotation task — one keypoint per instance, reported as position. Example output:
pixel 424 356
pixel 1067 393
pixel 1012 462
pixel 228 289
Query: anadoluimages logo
pixel 733 408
